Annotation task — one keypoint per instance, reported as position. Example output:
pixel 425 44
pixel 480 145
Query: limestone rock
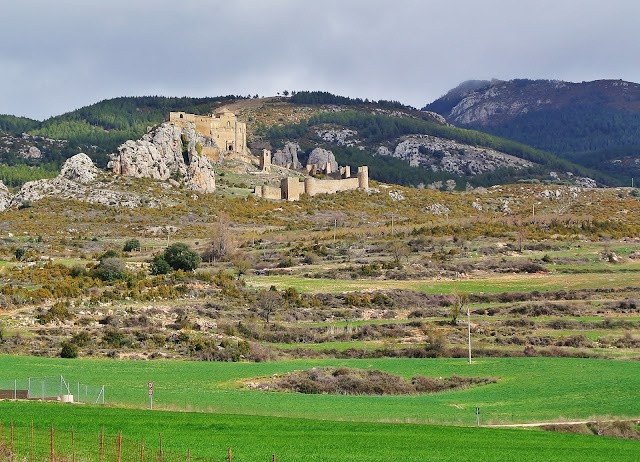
pixel 5 197
pixel 287 157
pixel 79 168
pixel 440 154
pixel 321 158
pixel 31 153
pixel 167 152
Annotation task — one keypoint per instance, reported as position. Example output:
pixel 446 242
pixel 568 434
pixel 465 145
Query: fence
pixel 51 388
pixel 46 444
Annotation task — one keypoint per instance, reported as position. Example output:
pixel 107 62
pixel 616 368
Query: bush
pixel 159 265
pixel 69 350
pixel 131 244
pixel 110 269
pixel 180 257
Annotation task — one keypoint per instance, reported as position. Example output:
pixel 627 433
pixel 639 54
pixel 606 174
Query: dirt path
pixel 574 422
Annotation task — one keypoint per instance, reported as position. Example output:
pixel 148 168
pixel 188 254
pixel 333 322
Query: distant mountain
pixel 595 124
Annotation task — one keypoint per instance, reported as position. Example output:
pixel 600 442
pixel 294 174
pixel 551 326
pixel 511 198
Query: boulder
pixel 79 168
pixel 287 157
pixel 321 158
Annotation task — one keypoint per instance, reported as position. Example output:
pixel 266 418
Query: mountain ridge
pixel 596 124
pixel 309 118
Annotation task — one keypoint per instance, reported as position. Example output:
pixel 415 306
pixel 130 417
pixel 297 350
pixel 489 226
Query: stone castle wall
pixel 313 186
pixel 229 134
pixel 291 188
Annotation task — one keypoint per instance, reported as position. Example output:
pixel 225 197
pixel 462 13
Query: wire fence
pixel 51 388
pixel 49 444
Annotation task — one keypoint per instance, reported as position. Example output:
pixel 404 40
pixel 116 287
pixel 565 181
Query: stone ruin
pixel 291 187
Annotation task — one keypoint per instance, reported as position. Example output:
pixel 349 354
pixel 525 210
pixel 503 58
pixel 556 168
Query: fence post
pixel 119 448
pixel 273 458
pixel 53 450
pixel 13 448
pixel 142 450
pixel 101 458
pixel 188 455
pixel 161 455
pixel 73 444
pixel 229 455
pixel 32 442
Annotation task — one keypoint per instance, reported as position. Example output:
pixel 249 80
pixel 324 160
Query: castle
pixel 291 187
pixel 229 134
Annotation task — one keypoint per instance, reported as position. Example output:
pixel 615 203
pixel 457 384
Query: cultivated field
pixel 360 281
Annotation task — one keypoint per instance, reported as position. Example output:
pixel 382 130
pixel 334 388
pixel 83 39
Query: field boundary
pixel 31 443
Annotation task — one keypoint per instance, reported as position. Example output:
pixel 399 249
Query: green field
pixel 529 390
pixel 255 438
pixel 492 284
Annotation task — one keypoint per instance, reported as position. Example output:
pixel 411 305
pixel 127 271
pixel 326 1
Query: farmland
pixel 551 305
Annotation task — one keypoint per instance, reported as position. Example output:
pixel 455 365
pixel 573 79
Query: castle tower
pixel 363 177
pixel 265 161
pixel 290 187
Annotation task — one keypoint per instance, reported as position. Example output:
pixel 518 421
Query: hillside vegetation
pixel 595 124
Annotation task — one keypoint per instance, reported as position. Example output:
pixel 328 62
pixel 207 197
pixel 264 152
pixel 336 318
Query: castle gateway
pixel 229 134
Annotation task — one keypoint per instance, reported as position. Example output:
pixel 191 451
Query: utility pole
pixel 469 330
pixel 335 225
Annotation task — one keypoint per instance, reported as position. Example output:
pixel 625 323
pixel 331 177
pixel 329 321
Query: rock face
pixel 287 157
pixel 167 152
pixel 321 158
pixel 440 154
pixel 5 197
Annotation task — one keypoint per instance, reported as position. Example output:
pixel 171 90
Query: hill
pixel 595 124
pixel 401 144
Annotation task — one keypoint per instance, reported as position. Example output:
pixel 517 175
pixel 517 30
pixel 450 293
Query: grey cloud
pixel 69 53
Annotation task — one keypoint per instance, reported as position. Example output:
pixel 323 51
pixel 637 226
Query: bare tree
pixel 458 306
pixel 399 250
pixel 221 244
pixel 242 264
pixel 268 301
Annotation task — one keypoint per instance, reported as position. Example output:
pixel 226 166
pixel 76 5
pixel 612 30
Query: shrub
pixel 180 256
pixel 58 312
pixel 69 350
pixel 131 244
pixel 110 269
pixel 159 265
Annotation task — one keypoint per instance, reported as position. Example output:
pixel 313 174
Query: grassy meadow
pixel 529 389
pixel 255 438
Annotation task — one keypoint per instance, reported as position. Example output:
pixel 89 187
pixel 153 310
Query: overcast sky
pixel 57 56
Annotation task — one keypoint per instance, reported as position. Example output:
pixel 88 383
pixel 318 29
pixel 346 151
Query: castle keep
pixel 229 134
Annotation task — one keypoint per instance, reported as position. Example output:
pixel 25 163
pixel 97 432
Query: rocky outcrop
pixel 440 154
pixel 31 153
pixel 342 137
pixel 167 152
pixel 287 157
pixel 79 179
pixel 79 168
pixel 5 197
pixel 320 158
